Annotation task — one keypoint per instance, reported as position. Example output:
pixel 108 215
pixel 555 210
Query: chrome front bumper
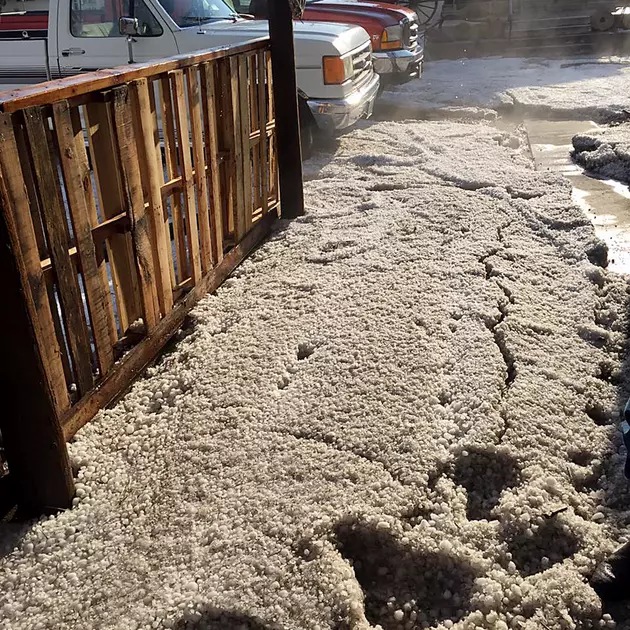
pixel 398 61
pixel 334 114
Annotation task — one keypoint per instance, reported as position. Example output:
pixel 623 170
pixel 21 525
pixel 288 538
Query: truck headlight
pixel 337 70
pixel 392 38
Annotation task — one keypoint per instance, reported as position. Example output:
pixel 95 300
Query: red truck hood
pixel 385 13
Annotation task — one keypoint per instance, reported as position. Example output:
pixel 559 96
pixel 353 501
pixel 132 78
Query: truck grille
pixel 411 32
pixel 362 64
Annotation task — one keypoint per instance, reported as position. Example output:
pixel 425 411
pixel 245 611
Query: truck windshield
pixel 192 12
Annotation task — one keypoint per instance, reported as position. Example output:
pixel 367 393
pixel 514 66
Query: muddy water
pixel 606 202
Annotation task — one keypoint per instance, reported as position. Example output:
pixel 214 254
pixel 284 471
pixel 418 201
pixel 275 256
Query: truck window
pixel 193 12
pixel 99 18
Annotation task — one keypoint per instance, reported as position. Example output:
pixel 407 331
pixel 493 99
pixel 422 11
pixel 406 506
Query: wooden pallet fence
pixel 127 194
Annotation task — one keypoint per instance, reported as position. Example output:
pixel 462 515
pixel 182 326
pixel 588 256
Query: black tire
pixel 308 130
pixel 429 11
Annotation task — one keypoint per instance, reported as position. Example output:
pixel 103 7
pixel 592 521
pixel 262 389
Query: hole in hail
pixel 304 351
pixel 485 474
pixel 597 414
pixel 536 549
pixel 403 585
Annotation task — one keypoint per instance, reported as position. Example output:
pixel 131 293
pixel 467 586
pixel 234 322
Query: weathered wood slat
pixel 172 172
pixel 118 224
pixel 27 172
pixel 244 106
pixel 76 172
pixel 71 87
pixel 271 112
pixel 106 167
pixel 153 86
pixel 149 153
pixel 16 203
pixel 201 181
pixel 128 368
pixel 237 132
pixel 59 242
pixel 254 136
pixel 183 133
pixel 134 200
pixel 262 126
pixel 212 149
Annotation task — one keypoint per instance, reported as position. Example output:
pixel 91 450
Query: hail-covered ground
pixel 589 88
pixel 400 412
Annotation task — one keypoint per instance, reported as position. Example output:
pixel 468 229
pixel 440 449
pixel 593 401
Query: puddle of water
pixel 618 187
pixel 612 228
pixel 546 147
pixel 605 202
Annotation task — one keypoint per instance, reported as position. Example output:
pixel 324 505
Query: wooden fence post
pixel 286 104
pixel 35 449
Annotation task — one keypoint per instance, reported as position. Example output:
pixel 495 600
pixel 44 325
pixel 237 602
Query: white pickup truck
pixel 48 39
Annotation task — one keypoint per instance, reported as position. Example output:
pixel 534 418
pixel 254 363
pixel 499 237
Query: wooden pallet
pixel 127 194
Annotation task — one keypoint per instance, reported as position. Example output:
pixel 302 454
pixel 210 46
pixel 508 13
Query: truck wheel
pixel 308 130
pixel 429 11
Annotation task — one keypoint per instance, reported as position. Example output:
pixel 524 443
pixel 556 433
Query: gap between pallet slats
pixel 153 87
pixel 244 106
pixel 200 179
pixel 254 125
pixel 76 172
pixel 237 134
pixel 106 168
pixel 212 150
pixel 183 133
pixel 262 126
pixel 172 172
pixel 226 144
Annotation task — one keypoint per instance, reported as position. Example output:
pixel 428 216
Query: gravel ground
pixel 399 412
pixel 587 89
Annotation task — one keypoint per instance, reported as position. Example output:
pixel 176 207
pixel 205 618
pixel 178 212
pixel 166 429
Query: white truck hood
pixel 313 40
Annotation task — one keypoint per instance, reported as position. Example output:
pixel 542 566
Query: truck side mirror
pixel 129 26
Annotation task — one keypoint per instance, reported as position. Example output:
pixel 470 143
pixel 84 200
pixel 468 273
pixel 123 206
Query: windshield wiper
pixel 193 20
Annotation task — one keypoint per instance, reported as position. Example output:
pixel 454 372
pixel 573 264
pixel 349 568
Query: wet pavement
pixel 606 202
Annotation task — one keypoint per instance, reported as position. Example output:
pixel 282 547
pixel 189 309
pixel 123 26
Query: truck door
pixel 88 37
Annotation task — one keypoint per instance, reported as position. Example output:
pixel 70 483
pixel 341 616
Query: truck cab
pixel 334 79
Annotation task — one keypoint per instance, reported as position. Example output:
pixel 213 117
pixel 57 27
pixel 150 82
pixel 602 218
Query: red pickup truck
pixel 397 38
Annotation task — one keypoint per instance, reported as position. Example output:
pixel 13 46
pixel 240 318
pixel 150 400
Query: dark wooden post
pixel 35 449
pixel 286 103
